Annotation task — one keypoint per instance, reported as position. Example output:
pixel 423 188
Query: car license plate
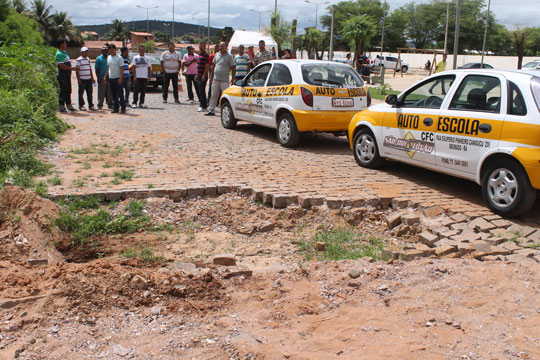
pixel 342 102
pixel 153 79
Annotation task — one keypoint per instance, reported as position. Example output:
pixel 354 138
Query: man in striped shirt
pixel 203 68
pixel 85 78
pixel 242 61
pixel 126 84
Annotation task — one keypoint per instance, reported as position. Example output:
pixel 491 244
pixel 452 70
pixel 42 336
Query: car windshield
pixel 154 59
pixel 331 75
pixel 531 65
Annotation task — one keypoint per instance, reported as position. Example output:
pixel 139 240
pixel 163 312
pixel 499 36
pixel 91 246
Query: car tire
pixel 506 188
pixel 227 116
pixel 287 132
pixel 365 149
pixel 404 69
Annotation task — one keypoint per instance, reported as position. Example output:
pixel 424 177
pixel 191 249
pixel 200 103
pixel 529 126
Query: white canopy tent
pixel 250 38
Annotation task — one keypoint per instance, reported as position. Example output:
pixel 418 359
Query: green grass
pixel 376 93
pixel 342 243
pixel 55 180
pixel 123 175
pixel 144 253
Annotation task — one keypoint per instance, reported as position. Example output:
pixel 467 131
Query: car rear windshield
pixel 331 75
pixel 535 87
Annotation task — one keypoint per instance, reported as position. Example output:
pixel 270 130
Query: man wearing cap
pixel 85 78
pixel 170 63
pixel 101 70
pixel 262 55
pixel 64 76
pixel 189 70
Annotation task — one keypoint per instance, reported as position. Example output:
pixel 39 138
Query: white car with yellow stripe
pixel 296 96
pixel 482 125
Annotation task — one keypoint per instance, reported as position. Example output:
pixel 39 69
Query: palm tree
pixel 62 27
pixel 41 12
pixel 358 30
pixel 19 6
pixel 119 31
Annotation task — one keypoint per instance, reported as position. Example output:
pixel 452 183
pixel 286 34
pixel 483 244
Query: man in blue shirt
pixel 101 70
pixel 64 76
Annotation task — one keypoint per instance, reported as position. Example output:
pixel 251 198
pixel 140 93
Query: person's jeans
pixel 64 95
pixel 117 92
pixel 104 92
pixel 190 83
pixel 173 77
pixel 218 86
pixel 201 94
pixel 126 84
pixel 140 89
pixel 85 85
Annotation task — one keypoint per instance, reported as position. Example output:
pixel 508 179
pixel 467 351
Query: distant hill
pixel 180 28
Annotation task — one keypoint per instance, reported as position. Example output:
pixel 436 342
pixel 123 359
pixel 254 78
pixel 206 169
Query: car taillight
pixel 307 96
pixel 368 99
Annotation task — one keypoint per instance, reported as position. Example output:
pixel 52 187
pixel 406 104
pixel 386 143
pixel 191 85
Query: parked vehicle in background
pixel 389 62
pixel 535 64
pixel 296 96
pixel 481 124
pixel 476 66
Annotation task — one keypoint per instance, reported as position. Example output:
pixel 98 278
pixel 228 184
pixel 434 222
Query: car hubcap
pixel 225 115
pixel 365 148
pixel 284 130
pixel 502 188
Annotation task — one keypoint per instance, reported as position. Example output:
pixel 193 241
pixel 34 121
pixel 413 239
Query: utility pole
pixel 275 7
pixel 331 51
pixel 208 40
pixel 446 31
pixel 147 21
pixel 167 31
pixel 456 35
pixel 260 12
pixel 172 37
pixel 382 34
pixel 485 35
pixel 316 10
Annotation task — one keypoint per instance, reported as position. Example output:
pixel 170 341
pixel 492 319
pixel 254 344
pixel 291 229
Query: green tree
pixel 4 10
pixel 18 28
pixel 519 35
pixel 531 46
pixel 394 31
pixel 225 34
pixel 422 25
pixel 280 31
pixel 62 27
pixel 118 32
pixel 19 6
pixel 358 31
pixel 313 40
pixel 41 12
pixel 344 10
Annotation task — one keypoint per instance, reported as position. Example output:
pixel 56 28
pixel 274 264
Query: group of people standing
pixel 113 74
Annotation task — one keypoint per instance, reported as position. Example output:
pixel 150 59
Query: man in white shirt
pixel 377 61
pixel 115 76
pixel 170 63
pixel 85 78
pixel 143 69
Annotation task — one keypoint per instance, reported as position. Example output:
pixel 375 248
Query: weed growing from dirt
pixel 86 218
pixel 123 175
pixel 144 253
pixel 342 243
pixel 55 180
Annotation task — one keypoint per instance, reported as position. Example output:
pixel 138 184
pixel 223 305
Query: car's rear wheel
pixel 366 151
pixel 506 188
pixel 287 132
pixel 404 69
pixel 227 117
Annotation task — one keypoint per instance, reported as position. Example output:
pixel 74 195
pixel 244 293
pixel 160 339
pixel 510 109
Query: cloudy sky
pixel 236 13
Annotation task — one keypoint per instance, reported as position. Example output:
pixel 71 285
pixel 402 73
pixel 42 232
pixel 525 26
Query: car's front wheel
pixel 507 189
pixel 287 132
pixel 227 117
pixel 404 69
pixel 366 152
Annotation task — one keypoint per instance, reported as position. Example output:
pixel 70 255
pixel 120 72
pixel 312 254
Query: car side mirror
pixel 391 99
pixel 239 83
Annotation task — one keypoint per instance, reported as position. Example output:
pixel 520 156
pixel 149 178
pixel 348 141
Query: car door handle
pixel 428 121
pixel 485 128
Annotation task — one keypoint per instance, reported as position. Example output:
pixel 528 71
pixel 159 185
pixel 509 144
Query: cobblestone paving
pixel 168 146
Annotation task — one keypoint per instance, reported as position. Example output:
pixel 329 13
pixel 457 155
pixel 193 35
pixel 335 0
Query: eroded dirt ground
pixel 104 302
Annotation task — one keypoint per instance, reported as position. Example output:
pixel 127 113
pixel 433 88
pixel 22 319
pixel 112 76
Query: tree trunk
pixel 293 34
pixel 519 39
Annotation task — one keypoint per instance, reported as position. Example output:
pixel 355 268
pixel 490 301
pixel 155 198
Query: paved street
pixel 168 146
